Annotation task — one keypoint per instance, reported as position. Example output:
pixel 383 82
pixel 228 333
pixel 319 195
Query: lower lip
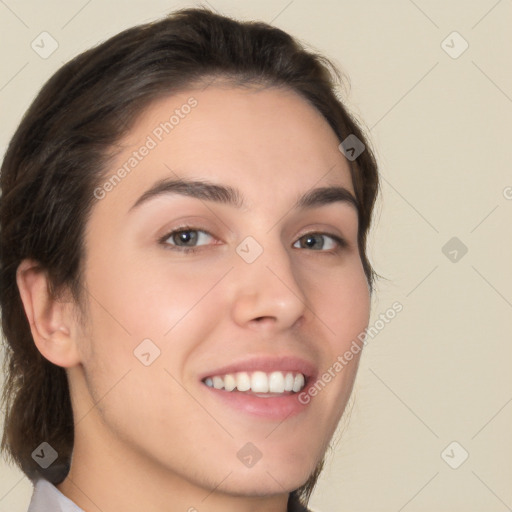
pixel 272 407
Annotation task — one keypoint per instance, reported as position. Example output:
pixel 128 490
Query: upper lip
pixel 283 363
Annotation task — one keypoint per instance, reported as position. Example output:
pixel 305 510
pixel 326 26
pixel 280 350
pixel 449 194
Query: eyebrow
pixel 224 194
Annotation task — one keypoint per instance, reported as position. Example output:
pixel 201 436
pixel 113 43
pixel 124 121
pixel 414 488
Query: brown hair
pixel 60 154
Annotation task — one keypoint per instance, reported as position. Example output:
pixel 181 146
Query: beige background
pixel 440 371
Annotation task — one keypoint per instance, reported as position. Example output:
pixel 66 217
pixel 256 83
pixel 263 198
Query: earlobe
pixel 51 321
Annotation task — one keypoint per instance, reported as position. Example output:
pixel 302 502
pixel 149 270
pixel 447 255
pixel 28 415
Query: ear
pixel 51 321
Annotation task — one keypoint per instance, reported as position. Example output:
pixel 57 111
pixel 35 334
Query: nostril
pixel 265 317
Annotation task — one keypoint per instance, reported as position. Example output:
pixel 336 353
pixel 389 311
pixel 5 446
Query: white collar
pixel 47 498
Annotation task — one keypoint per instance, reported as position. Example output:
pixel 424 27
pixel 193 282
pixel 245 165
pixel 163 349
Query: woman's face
pixel 254 273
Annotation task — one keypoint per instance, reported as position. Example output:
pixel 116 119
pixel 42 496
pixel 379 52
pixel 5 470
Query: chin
pixel 266 480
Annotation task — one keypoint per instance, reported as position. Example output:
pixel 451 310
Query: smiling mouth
pixel 259 383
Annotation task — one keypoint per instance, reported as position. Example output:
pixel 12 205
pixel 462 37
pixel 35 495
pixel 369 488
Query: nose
pixel 268 294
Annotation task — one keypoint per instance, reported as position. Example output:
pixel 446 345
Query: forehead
pixel 271 143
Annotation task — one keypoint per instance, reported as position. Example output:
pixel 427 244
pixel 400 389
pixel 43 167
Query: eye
pixel 186 239
pixel 320 242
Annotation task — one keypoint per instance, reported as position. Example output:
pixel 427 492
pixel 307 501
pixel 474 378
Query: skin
pixel 151 437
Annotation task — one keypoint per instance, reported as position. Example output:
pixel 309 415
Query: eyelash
pixel 341 243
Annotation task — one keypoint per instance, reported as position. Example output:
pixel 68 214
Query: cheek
pixel 350 308
pixel 168 303
pixel 341 300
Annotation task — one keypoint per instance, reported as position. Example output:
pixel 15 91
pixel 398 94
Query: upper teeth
pixel 258 382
